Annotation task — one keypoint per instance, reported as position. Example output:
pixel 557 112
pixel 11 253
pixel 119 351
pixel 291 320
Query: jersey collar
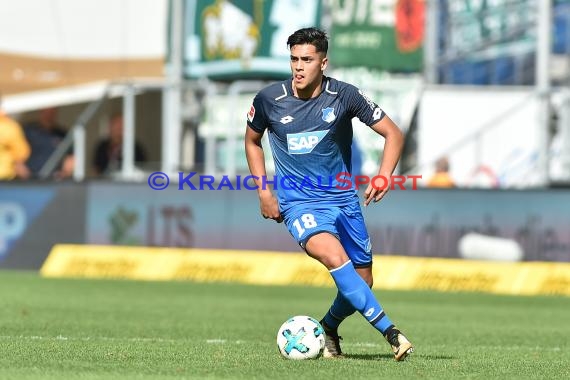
pixel 289 85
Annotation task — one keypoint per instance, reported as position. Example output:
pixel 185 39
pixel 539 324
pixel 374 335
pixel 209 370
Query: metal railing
pixel 76 137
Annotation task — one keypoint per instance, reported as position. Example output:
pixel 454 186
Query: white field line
pixel 85 339
pixel 237 342
pixel 111 339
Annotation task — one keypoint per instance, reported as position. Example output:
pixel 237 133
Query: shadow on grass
pixel 391 357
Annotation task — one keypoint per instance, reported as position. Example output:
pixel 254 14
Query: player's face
pixel 307 67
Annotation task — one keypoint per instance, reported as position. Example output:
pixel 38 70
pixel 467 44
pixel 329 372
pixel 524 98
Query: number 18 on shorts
pixel 344 222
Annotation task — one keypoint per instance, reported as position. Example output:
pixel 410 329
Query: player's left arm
pixel 393 146
pixel 368 112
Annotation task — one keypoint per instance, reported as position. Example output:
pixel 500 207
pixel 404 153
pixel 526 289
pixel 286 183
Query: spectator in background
pixel 14 149
pixel 441 177
pixel 44 136
pixel 109 151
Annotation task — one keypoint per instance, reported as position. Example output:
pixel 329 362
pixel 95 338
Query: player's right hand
pixel 374 194
pixel 269 207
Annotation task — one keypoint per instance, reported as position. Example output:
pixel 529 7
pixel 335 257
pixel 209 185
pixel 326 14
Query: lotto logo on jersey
pixel 302 143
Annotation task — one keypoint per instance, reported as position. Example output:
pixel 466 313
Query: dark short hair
pixel 311 36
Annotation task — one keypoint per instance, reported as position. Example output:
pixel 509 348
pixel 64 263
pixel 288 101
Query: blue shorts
pixel 344 222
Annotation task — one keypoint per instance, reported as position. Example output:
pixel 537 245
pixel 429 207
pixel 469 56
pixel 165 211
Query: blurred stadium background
pixel 485 84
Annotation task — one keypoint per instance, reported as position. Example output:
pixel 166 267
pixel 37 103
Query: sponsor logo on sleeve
pixel 251 113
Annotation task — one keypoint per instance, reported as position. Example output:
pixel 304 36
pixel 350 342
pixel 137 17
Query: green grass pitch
pixel 102 329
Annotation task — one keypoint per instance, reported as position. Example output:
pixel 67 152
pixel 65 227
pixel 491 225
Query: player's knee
pixel 327 250
pixel 329 261
pixel 333 261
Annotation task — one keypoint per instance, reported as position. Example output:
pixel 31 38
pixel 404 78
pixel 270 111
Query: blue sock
pixel 340 309
pixel 356 291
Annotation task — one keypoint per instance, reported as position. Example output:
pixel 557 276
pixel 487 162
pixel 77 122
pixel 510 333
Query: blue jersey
pixel 311 139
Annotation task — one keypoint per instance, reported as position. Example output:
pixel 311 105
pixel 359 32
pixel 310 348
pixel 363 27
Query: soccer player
pixel 308 118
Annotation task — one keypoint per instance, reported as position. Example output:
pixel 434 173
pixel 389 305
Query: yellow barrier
pixel 279 268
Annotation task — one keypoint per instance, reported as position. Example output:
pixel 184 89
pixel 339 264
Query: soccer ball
pixel 301 337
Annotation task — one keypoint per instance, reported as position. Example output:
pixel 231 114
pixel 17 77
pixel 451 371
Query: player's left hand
pixel 374 193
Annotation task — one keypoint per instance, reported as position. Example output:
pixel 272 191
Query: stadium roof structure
pixel 58 53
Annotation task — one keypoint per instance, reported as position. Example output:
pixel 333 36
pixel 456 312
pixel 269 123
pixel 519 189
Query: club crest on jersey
pixel 328 114
pixel 302 143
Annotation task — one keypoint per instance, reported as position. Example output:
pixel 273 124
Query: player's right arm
pixel 256 162
pixel 257 123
